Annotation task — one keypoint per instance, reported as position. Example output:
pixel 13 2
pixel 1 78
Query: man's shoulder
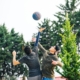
pixel 54 57
pixel 35 48
pixel 25 56
pixel 45 53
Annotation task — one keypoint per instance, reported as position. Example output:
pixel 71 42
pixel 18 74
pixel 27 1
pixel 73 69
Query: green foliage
pixel 69 7
pixel 69 56
pixel 10 41
pixel 49 35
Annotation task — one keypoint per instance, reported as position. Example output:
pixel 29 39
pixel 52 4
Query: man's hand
pixel 41 29
pixel 14 53
pixel 54 62
pixel 57 63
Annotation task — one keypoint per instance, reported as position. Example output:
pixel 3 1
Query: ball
pixel 36 15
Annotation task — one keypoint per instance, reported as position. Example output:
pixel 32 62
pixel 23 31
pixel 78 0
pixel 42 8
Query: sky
pixel 17 14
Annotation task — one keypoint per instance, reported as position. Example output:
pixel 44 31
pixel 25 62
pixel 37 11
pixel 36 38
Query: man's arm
pixel 59 63
pixel 15 62
pixel 37 40
pixel 41 48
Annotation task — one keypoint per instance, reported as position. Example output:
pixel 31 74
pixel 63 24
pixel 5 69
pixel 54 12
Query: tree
pixel 70 7
pixel 69 56
pixel 49 35
pixel 10 41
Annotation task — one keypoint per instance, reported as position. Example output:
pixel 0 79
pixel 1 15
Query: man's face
pixel 52 49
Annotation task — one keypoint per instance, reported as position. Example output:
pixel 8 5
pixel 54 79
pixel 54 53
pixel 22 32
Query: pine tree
pixel 10 41
pixel 69 56
pixel 49 35
pixel 70 7
pixel 3 37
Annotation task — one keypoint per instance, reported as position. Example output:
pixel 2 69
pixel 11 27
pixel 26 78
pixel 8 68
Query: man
pixel 50 60
pixel 31 59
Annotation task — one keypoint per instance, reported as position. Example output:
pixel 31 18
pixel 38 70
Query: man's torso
pixel 47 67
pixel 33 63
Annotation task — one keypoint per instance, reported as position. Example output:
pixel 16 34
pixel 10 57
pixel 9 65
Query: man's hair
pixel 27 50
pixel 57 48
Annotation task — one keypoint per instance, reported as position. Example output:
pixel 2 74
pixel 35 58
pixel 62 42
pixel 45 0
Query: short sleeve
pixel 22 60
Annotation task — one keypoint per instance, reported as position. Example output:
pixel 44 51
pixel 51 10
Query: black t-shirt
pixel 32 62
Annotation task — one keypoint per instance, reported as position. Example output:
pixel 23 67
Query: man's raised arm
pixel 37 38
pixel 35 49
pixel 41 48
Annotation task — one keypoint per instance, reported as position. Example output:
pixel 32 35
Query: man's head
pixel 27 50
pixel 54 49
